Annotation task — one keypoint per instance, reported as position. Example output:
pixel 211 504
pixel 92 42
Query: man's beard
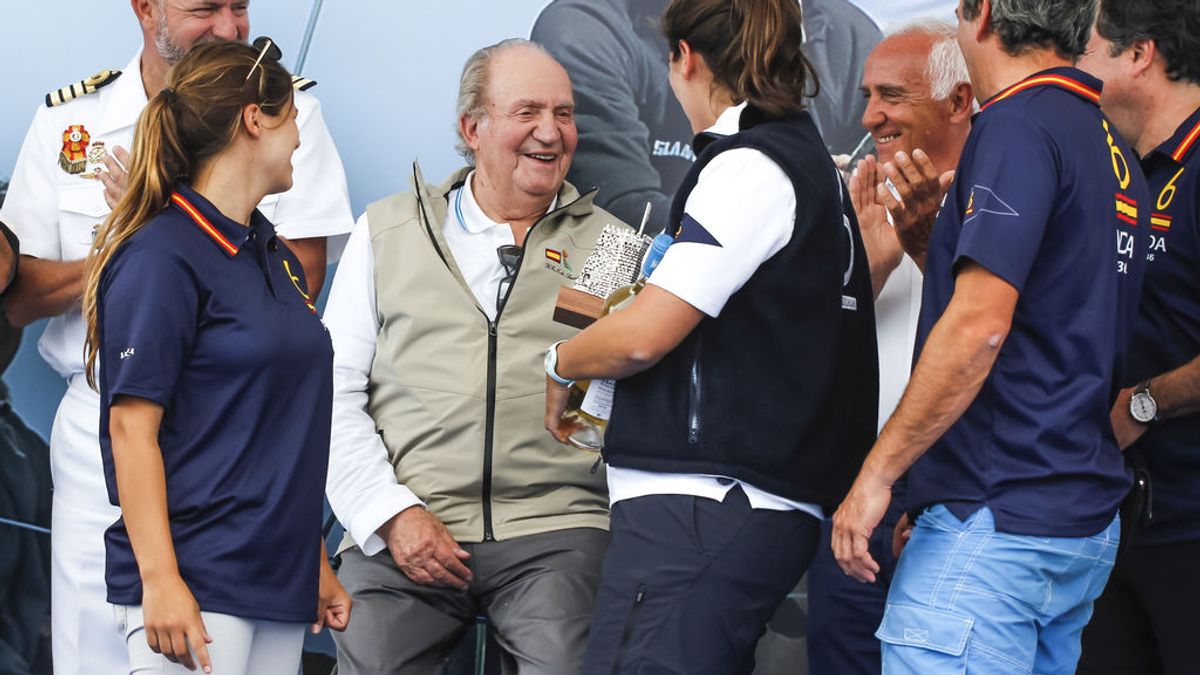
pixel 168 49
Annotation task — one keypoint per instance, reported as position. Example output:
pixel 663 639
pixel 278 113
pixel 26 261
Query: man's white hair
pixel 946 67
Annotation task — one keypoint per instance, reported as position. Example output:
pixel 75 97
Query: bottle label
pixel 598 400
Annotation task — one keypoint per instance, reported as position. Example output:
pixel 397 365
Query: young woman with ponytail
pixel 748 371
pixel 215 382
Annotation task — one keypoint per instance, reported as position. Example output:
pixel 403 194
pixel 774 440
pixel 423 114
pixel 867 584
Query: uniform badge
pixel 73 158
pixel 95 160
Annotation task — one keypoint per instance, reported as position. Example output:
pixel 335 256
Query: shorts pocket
pixel 935 630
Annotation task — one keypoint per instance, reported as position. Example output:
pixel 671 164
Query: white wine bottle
pixel 589 403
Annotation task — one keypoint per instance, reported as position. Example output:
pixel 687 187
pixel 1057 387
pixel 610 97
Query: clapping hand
pixel 919 190
pixel 879 237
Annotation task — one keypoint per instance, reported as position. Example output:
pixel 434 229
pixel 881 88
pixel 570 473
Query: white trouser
pixel 81 513
pixel 239 646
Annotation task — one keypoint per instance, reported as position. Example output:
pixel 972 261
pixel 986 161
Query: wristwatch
pixel 551 364
pixel 1142 406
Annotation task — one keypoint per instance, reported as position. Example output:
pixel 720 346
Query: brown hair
pixel 195 117
pixel 752 48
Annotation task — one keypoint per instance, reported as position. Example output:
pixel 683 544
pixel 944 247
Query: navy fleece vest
pixel 781 389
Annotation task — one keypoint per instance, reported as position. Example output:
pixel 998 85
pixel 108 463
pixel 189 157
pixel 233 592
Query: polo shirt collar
pixel 728 123
pixel 225 233
pixel 1183 143
pixel 1067 78
pixel 470 216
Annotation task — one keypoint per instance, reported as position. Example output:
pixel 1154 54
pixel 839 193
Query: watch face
pixel 1142 407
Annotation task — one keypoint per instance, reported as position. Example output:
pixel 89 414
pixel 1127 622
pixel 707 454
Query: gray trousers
pixel 537 592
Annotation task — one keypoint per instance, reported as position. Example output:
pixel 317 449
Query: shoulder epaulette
pixel 82 88
pixel 301 83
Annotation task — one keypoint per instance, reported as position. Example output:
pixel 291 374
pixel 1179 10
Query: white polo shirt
pixel 897 310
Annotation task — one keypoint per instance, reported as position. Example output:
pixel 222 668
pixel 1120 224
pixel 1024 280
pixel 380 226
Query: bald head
pixel 917 94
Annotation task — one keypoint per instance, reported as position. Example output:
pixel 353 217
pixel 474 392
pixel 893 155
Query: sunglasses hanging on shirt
pixel 510 259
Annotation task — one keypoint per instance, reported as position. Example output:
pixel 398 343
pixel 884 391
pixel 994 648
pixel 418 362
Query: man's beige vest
pixel 441 372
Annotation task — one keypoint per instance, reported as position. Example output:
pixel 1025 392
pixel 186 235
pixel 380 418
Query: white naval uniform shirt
pixel 746 201
pixel 361 485
pixel 55 214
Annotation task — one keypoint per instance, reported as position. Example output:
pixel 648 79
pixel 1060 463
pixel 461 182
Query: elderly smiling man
pixel 441 311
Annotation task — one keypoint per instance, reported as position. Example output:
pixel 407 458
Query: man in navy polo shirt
pixel 1030 290
pixel 1148 53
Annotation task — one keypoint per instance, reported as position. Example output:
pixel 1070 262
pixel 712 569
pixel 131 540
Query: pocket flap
pixel 916 626
pixel 85 199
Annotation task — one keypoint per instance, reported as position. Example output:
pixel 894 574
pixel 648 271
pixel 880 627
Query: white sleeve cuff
pixel 374 514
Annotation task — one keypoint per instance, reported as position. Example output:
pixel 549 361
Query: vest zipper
pixel 489 429
pixel 694 402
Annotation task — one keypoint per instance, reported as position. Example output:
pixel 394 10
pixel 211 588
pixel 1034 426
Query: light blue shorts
pixel 969 599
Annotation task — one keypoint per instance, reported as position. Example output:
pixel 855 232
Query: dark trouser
pixel 537 591
pixel 843 613
pixel 1145 621
pixel 689 583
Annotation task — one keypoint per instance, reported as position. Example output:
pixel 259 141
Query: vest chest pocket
pixel 82 209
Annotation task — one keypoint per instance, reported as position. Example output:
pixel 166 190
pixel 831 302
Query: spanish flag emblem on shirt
pixel 1127 209
pixel 556 256
pixel 1160 222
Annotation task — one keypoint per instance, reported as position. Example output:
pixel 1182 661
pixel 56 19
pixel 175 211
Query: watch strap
pixel 552 365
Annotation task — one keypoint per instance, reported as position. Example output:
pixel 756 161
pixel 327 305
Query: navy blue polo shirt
pixel 1048 198
pixel 1168 332
pixel 210 320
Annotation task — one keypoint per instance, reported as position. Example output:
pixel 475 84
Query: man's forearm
pixel 881 271
pixel 1177 392
pixel 44 288
pixel 955 362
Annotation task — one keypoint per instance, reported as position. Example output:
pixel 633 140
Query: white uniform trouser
pixel 79 613
pixel 239 646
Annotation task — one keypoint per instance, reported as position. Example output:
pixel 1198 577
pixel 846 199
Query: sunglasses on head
pixel 267 49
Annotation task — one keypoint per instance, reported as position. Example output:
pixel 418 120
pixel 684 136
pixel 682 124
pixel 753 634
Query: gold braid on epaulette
pixel 301 83
pixel 82 88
